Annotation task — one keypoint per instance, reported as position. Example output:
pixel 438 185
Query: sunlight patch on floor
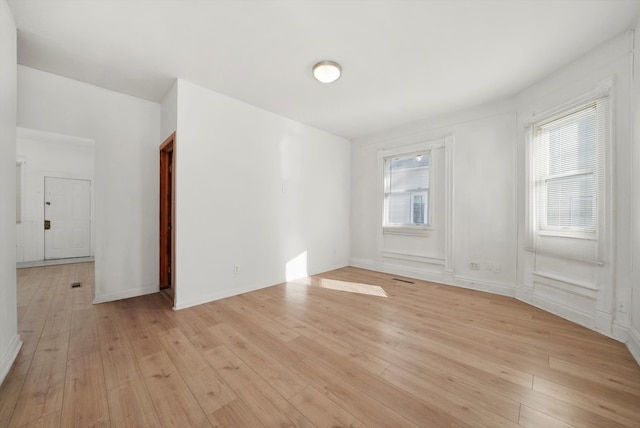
pixel 353 287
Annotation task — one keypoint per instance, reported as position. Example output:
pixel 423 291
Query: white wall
pixel 257 191
pixel 126 131
pixel 593 295
pixel 44 154
pixel 169 109
pixel 488 203
pixel 634 332
pixel 477 225
pixel 9 339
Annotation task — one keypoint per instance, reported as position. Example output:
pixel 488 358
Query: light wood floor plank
pixel 627 384
pixel 235 415
pixel 119 364
pixel 281 378
pixel 85 395
pixel 455 404
pixel 620 410
pixel 532 418
pixel 262 399
pixel 42 391
pixel 209 389
pixel 9 391
pixel 321 411
pixel 130 406
pixel 52 420
pixel 363 407
pixel 276 329
pixel 349 347
pixel 174 404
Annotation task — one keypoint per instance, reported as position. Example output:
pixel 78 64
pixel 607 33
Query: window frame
pixel 600 97
pixel 541 182
pixel 407 228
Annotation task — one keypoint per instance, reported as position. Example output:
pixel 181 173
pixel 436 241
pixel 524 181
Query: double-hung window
pixel 406 190
pixel 568 170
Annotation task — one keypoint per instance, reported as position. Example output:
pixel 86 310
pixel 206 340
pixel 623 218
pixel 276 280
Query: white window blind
pixel 407 190
pixel 568 178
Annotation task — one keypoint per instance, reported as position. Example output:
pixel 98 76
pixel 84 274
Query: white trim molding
pixel 620 331
pixel 604 323
pixel 414 258
pixel 566 284
pixel 633 343
pixel 363 263
pixel 501 288
pixel 449 152
pixel 126 294
pixel 582 318
pixel 9 357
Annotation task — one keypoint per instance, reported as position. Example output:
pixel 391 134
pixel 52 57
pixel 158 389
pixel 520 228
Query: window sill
pixel 568 234
pixel 407 230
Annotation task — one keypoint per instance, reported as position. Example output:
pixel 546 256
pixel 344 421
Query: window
pixel 406 190
pixel 568 170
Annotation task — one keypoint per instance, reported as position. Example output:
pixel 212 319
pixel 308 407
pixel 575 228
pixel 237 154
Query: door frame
pixel 167 267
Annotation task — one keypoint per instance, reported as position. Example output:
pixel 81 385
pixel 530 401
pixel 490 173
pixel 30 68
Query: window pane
pixel 571 202
pixel 409 173
pixel 400 208
pixel 418 209
pixel 572 144
pixel 407 193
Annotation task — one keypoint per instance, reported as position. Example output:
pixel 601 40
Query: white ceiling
pixel 402 61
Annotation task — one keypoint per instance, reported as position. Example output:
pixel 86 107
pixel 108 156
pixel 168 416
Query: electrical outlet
pixel 474 266
pixel 489 266
pixel 236 269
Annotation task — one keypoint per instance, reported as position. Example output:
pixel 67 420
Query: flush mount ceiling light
pixel 327 71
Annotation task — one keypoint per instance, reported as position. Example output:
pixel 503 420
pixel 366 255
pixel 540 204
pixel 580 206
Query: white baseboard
pixel 524 294
pixel 215 295
pixel 9 357
pixel 633 343
pixel 604 323
pixel 495 287
pixel 126 294
pixel 582 318
pixel 620 331
pixel 362 263
pixel 414 272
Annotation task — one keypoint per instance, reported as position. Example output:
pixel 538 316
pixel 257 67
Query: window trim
pixel 602 92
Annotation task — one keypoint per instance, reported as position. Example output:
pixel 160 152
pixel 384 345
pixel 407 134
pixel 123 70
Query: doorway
pixel 67 213
pixel 167 216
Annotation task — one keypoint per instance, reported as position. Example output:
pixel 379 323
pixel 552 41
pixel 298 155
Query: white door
pixel 67 207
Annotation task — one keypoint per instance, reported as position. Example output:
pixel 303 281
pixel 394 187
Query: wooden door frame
pixel 168 211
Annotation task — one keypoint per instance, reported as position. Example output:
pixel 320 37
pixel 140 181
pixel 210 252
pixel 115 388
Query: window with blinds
pixel 407 190
pixel 568 170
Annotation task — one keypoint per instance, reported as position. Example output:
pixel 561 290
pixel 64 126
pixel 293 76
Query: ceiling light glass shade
pixel 327 71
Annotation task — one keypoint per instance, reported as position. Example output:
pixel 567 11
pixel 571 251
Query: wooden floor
pixel 346 348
